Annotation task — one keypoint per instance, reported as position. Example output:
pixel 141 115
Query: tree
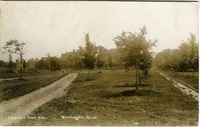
pixel 89 54
pixel 113 58
pixel 101 58
pixel 13 46
pixel 11 65
pixel 193 52
pixel 110 61
pixel 9 48
pixel 184 49
pixel 100 63
pixel 183 59
pixel 2 63
pixel 31 64
pixel 135 49
pixel 51 63
pixel 41 64
pixel 54 64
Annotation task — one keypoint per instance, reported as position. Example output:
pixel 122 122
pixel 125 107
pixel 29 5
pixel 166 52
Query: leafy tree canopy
pixel 135 48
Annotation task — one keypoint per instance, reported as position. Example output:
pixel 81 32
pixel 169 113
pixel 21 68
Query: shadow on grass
pixel 128 93
pixel 124 85
pixel 131 85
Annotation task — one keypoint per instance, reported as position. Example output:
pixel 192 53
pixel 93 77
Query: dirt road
pixel 16 109
pixel 185 89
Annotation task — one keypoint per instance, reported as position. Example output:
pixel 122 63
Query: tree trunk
pixel 136 76
pixel 139 77
pixel 193 70
pixel 21 67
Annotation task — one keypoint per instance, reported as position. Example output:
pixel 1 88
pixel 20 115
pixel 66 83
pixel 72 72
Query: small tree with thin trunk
pixel 13 46
pixel 135 49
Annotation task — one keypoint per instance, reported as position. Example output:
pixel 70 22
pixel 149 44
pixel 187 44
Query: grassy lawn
pixel 10 89
pixel 5 75
pixel 110 99
pixel 190 80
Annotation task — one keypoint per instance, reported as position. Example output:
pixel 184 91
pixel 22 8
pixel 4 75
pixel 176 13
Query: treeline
pixel 183 59
pixel 45 63
pixel 132 50
pixel 101 58
pixel 82 58
pixel 11 66
pixel 90 57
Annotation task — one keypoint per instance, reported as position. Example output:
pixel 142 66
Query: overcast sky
pixel 57 27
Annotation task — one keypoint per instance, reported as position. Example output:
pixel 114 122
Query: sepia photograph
pixel 99 63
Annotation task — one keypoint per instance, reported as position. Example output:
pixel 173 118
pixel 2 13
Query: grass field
pixel 110 99
pixel 10 89
pixel 5 75
pixel 190 80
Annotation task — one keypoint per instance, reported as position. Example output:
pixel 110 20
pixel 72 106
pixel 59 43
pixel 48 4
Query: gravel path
pixel 14 110
pixel 185 89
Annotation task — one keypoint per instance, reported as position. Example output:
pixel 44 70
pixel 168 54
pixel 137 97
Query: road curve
pixel 14 110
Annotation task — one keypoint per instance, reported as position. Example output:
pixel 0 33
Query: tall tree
pixel 135 49
pixel 101 59
pixel 89 54
pixel 194 52
pixel 11 65
pixel 9 48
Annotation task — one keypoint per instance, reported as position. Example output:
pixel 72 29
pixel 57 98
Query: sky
pixel 56 27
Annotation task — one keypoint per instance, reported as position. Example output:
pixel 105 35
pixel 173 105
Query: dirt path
pixel 14 110
pixel 185 89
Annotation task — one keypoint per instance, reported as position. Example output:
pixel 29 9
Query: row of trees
pixel 11 66
pixel 183 59
pixel 90 57
pixel 50 63
pixel 97 56
pixel 14 47
pixel 133 50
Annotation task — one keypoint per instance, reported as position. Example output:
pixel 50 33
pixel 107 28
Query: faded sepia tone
pixel 74 63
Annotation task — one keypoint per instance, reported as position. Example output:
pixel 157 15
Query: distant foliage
pixel 2 63
pixel 185 58
pixel 11 65
pixel 48 63
pixel 102 57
